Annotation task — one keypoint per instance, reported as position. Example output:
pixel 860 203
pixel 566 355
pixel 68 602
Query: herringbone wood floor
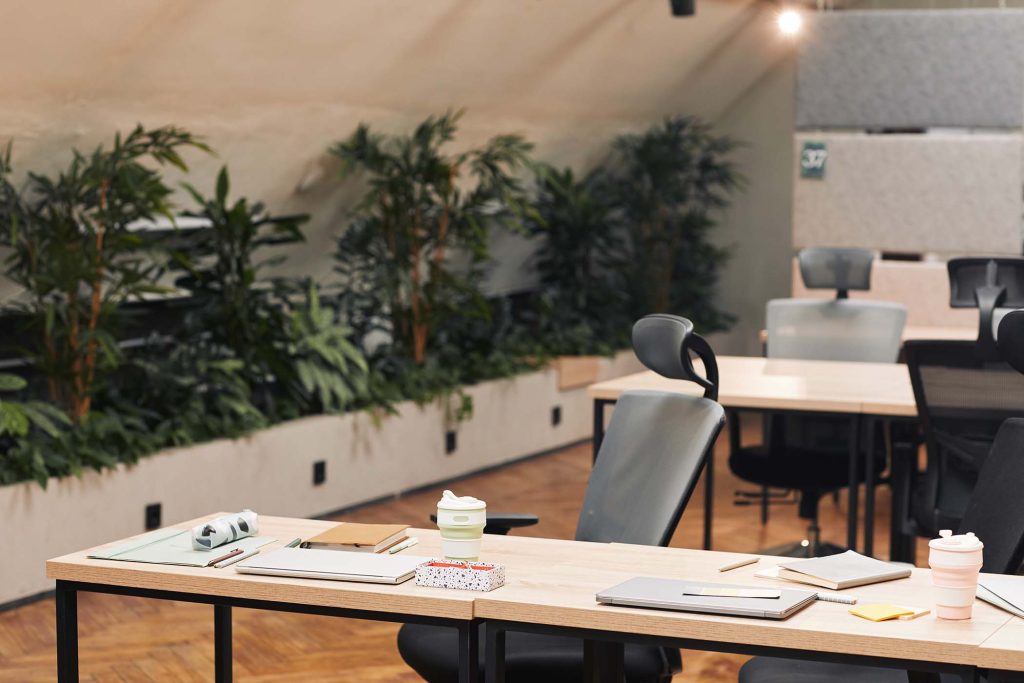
pixel 133 639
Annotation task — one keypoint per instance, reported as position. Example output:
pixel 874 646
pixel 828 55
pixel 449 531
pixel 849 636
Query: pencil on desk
pixel 738 563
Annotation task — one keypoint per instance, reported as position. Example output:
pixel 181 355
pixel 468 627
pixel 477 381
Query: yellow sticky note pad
pixel 880 611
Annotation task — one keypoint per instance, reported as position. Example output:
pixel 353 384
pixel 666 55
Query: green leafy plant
pixel 295 354
pixel 582 305
pixel 666 185
pixel 424 205
pixel 73 252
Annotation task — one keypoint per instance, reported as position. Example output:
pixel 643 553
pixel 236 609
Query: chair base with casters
pixel 530 658
pixel 778 670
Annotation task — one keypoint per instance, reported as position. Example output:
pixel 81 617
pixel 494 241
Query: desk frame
pixel 67 625
pixel 603 653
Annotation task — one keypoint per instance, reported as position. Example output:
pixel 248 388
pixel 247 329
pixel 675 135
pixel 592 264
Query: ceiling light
pixel 790 22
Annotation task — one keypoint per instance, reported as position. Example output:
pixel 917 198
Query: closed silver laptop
pixel 334 565
pixel 667 594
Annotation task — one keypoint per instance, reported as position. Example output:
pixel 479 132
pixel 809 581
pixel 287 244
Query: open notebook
pixel 172 546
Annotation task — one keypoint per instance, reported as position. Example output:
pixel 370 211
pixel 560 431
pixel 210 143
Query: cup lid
pixel 449 501
pixel 960 543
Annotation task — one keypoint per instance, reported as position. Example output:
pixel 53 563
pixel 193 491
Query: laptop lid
pixel 667 594
pixel 337 565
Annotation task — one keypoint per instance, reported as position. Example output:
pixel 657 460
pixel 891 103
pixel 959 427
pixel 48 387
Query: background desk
pixel 225 588
pixel 558 597
pixel 855 390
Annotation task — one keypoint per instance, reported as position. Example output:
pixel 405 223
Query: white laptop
pixel 668 594
pixel 335 565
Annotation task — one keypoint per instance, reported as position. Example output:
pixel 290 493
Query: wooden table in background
pixel 863 392
pixel 225 588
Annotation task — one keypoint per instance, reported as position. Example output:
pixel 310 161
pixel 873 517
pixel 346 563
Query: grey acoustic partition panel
pixel 912 69
pixel 952 194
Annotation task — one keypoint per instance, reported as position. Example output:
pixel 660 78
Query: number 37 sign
pixel 812 160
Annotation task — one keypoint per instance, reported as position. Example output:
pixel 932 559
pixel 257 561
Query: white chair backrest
pixel 843 330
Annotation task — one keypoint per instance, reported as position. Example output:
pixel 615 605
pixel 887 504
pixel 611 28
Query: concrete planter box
pixel 271 471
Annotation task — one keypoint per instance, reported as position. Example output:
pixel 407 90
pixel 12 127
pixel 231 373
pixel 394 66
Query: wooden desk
pixel 558 598
pixel 226 588
pixel 962 332
pixel 855 390
pixel 1004 650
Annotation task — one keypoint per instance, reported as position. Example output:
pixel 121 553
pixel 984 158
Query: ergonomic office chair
pixel 992 285
pixel 810 453
pixel 656 445
pixel 992 513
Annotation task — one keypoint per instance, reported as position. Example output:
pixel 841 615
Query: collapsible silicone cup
pixel 461 522
pixel 955 563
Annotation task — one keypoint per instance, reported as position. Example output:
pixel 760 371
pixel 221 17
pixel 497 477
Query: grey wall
pixel 875 69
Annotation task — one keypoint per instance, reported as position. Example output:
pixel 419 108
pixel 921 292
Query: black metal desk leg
pixel 603 662
pixel 469 652
pixel 851 520
pixel 222 657
pixel 869 490
pixel 494 654
pixel 709 497
pixel 67 633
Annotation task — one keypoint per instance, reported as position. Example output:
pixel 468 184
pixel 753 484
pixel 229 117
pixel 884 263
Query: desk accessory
pixel 732 592
pixel 333 565
pixel 359 538
pixel 461 521
pixel 475 576
pixel 236 557
pixel 739 563
pixel 881 611
pixel 408 543
pixel 294 543
pixel 915 612
pixel 1005 592
pixel 222 530
pixel 844 570
pixel 836 597
pixel 173 546
pixel 955 562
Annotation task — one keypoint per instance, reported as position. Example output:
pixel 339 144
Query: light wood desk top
pixel 406 598
pixel 561 593
pixel 1004 650
pixel 951 332
pixel 783 384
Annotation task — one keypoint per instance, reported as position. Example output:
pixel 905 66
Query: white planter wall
pixel 949 194
pixel 271 471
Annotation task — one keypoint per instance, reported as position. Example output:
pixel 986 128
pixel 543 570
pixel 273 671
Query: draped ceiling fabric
pixel 271 84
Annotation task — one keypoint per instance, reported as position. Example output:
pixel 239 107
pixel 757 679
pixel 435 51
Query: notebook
pixel 845 570
pixel 173 546
pixel 670 594
pixel 332 565
pixel 1005 592
pixel 364 538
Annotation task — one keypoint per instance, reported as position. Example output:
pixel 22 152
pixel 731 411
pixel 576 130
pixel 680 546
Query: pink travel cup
pixel 955 563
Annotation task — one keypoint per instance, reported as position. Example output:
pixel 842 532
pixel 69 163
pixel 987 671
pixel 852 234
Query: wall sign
pixel 812 160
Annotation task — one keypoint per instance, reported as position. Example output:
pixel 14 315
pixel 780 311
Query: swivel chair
pixel 992 512
pixel 656 445
pixel 810 453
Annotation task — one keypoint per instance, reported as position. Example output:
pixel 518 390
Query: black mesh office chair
pixel 653 452
pixel 810 453
pixel 992 512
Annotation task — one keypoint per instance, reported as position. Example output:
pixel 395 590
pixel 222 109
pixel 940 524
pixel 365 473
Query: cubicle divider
pixel 364 457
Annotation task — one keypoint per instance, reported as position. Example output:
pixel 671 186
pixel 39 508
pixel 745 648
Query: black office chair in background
pixel 810 453
pixel 992 512
pixel 652 455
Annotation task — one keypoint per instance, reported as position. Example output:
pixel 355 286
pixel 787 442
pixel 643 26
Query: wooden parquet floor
pixel 128 640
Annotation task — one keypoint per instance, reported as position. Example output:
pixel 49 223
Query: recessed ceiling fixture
pixel 683 8
pixel 790 22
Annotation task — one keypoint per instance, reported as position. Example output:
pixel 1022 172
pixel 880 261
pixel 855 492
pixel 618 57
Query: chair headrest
pixel 663 343
pixel 839 268
pixel 1011 339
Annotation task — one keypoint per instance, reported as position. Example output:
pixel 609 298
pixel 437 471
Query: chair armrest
pixel 501 522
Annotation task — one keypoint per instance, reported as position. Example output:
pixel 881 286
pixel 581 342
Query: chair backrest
pixel 656 444
pixel 962 399
pixel 838 268
pixel 841 329
pixel 994 512
pixel 992 285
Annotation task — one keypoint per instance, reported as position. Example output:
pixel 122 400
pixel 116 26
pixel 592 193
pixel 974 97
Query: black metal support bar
pixel 853 487
pixel 603 661
pixel 67 632
pixel 869 488
pixel 709 496
pixel 494 653
pixel 469 651
pixel 222 655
